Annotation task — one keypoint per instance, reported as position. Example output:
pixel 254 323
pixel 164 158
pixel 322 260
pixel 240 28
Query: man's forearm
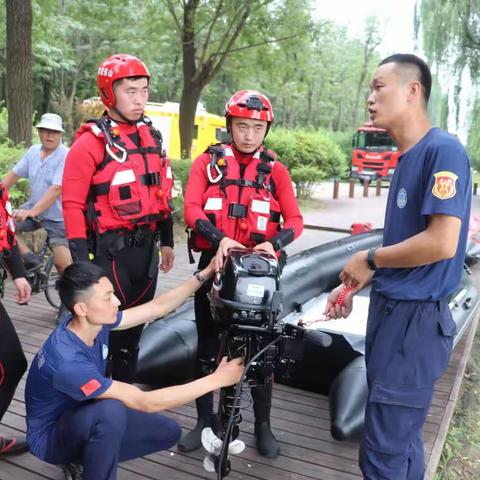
pixel 160 306
pixel 47 200
pixel 421 249
pixel 171 397
pixel 10 179
pixel 163 398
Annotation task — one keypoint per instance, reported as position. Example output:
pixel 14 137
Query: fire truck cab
pixel 374 154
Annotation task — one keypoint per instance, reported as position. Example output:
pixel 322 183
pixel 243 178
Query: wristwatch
pixel 199 277
pixel 371 259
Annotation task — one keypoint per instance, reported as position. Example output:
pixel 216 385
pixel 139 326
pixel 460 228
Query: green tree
pixel 371 40
pixel 473 145
pixel 451 33
pixel 210 33
pixel 451 37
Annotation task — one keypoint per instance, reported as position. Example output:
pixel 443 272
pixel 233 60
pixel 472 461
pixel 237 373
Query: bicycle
pixel 44 276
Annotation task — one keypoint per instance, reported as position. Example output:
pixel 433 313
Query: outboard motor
pixel 247 292
pixel 246 302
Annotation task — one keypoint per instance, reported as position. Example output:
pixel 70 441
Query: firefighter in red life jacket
pixel 13 363
pixel 116 197
pixel 236 196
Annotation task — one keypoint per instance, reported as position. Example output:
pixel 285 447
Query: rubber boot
pixel 12 445
pixel 193 440
pixel 267 444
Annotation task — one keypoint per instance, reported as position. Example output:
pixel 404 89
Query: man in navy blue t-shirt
pixel 410 329
pixel 75 413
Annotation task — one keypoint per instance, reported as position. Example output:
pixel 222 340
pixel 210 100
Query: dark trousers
pixel 407 348
pixel 13 363
pixel 208 352
pixel 133 272
pixel 100 433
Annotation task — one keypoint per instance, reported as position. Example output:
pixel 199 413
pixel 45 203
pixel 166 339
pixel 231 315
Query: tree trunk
pixel 188 108
pixel 190 92
pixel 19 70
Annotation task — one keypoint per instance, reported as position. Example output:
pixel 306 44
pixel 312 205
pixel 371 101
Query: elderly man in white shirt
pixel 43 165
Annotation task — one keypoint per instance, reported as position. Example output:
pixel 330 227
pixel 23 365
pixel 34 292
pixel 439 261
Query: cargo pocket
pixel 124 196
pixel 446 326
pixel 440 350
pixel 395 416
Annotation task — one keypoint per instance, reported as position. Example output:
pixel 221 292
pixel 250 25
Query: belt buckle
pixel 237 210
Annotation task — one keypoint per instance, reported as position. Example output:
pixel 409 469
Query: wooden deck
pixel 300 420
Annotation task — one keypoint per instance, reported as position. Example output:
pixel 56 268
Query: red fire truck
pixel 374 154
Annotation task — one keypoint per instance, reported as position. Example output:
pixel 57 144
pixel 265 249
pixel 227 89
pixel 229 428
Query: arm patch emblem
pixel 444 186
pixel 90 387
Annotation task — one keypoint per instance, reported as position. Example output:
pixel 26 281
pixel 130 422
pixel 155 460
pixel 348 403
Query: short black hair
pixel 76 279
pixel 424 74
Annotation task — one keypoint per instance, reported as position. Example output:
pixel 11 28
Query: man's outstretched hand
pixel 225 244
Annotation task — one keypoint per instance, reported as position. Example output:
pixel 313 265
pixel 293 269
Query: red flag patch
pixel 90 387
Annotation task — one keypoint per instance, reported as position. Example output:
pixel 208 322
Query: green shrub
pixel 298 149
pixel 283 142
pixel 9 155
pixel 181 170
pixel 3 122
pixel 344 141
pixel 305 178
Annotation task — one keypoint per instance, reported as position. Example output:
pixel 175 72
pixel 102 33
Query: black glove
pixel 78 249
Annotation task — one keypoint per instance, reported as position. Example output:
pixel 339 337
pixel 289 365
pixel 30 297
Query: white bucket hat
pixel 51 121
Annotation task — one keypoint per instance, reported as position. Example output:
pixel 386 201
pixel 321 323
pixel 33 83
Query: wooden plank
pixel 441 436
pixel 299 419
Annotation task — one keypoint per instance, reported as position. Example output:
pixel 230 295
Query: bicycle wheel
pixel 50 291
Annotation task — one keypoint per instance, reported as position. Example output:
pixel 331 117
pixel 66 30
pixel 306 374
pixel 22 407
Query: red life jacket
pixel 243 207
pixel 7 223
pixel 133 184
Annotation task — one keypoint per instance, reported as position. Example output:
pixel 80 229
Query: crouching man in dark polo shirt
pixel 77 416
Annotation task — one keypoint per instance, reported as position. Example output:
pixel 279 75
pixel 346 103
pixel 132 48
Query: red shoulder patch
pixel 90 387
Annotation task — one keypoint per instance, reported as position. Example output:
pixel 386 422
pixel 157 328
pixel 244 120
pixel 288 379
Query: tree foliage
pixel 451 33
pixel 310 156
pixel 473 145
pixel 314 73
pixel 451 38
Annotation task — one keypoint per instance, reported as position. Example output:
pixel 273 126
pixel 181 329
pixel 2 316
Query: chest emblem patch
pixel 104 351
pixel 444 186
pixel 401 198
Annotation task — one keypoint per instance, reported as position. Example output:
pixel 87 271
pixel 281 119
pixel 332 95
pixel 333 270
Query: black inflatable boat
pixel 168 345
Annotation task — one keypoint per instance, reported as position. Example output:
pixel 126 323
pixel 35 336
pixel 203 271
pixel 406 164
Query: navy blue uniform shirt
pixel 431 178
pixel 64 372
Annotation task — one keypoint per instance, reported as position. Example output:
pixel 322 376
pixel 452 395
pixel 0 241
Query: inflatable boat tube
pixel 348 400
pixel 167 349
pixel 168 345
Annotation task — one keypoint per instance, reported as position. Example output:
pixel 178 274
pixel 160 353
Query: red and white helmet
pixel 114 68
pixel 249 104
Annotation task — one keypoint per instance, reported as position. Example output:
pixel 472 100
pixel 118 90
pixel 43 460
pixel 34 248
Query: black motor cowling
pixel 247 291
